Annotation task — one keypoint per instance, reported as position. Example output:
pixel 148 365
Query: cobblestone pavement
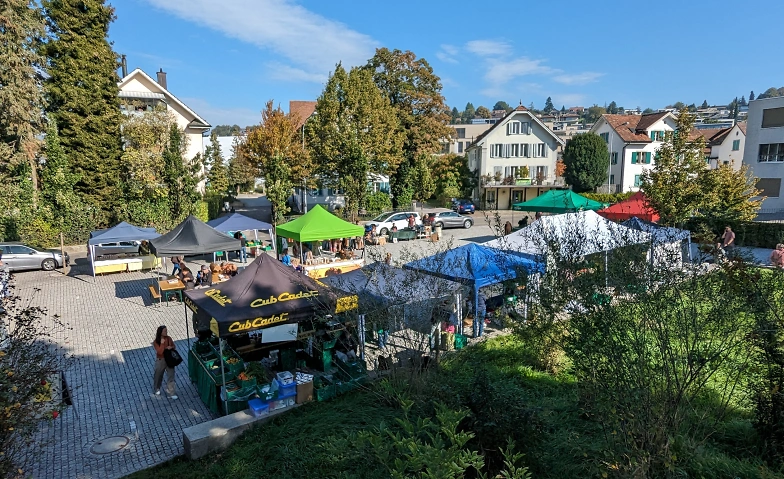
pixel 113 324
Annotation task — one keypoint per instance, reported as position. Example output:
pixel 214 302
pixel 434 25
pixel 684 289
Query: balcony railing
pixel 550 180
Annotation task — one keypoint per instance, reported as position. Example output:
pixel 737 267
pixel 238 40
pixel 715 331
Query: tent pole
pixel 223 378
pixel 690 260
pixel 92 260
pixel 361 325
pixel 476 308
pixel 186 325
pixel 605 269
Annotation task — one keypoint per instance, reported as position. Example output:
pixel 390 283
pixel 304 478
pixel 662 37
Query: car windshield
pixel 381 217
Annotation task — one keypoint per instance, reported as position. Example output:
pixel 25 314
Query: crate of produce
pixel 346 386
pixel 325 393
pixel 246 381
pixel 349 370
pixel 266 393
pixel 235 364
pixel 258 407
pixel 461 340
pixel 202 347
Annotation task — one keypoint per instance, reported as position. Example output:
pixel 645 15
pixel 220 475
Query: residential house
pixel 723 146
pixel 463 136
pixel 632 141
pixel 139 92
pixel 764 152
pixel 515 159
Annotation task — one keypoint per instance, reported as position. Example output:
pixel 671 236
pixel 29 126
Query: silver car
pixel 19 257
pixel 450 219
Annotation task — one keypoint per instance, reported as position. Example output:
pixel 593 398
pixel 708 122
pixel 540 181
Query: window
pixel 460 132
pixel 541 172
pixel 491 196
pixel 657 135
pixel 735 145
pixel 525 150
pixel 773 152
pixel 496 151
pixel 637 180
pixel 445 148
pixel 770 187
pixel 773 117
pixel 459 146
pixel 16 249
pixel 641 157
pixel 605 137
pixel 614 158
pixel 513 128
pixel 539 150
pixel 514 150
pixel 525 128
pixel 612 179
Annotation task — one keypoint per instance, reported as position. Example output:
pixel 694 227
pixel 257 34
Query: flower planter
pixel 523 182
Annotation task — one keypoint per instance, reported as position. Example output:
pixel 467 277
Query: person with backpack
pixel 163 343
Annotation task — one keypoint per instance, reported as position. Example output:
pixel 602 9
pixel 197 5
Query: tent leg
pixel 186 325
pixel 361 327
pixel 606 282
pixel 223 379
pixel 92 261
pixel 690 260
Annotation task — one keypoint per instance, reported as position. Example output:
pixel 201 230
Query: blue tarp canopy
pixel 122 232
pixel 237 222
pixel 477 265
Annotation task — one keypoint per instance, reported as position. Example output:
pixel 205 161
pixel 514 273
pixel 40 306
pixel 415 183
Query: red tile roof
pixel 301 110
pixel 631 128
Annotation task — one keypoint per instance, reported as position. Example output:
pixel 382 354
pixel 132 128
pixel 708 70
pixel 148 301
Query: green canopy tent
pixel 558 201
pixel 318 224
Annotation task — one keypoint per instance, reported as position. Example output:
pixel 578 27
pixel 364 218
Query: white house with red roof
pixel 515 160
pixel 632 141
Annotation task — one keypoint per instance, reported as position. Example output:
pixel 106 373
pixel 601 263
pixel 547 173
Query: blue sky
pixel 226 58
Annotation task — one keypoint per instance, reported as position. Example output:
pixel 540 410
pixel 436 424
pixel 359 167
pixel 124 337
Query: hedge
pixel 747 233
pixel 610 198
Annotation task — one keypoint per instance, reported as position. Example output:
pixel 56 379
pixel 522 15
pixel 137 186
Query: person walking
pixel 243 256
pixel 537 216
pixel 163 342
pixel 777 256
pixel 728 241
pixel 507 228
pixel 176 260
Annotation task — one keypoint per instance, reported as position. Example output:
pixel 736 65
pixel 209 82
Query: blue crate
pixel 286 391
pixel 258 407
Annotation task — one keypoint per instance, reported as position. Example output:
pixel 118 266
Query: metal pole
pixel 223 378
pixel 361 325
pixel 186 325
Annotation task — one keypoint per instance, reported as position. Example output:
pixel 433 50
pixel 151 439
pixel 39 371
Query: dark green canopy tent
pixel 558 201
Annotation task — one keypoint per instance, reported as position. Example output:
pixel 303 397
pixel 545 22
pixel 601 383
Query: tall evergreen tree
pixel 218 176
pixel 455 115
pixel 704 104
pixel 751 95
pixel 743 101
pixel 414 91
pixel 612 108
pixel 22 28
pixel 468 112
pixel 82 95
pixel 548 105
pixel 586 159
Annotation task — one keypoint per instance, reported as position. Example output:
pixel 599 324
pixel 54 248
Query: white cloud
pixel 489 48
pixel 215 115
pixel 578 78
pixel 502 71
pixel 447 53
pixel 279 71
pixel 312 43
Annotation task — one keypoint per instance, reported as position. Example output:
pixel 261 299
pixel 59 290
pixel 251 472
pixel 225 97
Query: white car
pixel 385 221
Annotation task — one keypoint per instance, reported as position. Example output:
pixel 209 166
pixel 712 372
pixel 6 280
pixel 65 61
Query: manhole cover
pixel 109 445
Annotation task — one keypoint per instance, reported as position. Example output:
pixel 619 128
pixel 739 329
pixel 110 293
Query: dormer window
pixel 518 128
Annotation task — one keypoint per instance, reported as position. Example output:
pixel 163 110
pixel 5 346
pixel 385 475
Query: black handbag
pixel 172 357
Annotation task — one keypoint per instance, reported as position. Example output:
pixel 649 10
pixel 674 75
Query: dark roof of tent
pixel 121 232
pixel 238 222
pixel 192 237
pixel 659 233
pixel 266 293
pixel 477 265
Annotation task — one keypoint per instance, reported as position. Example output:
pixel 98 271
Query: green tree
pixel 679 105
pixel 414 92
pixel 743 101
pixel 728 194
pixel 563 108
pixel 218 176
pixel 468 113
pixel 276 148
pixel 612 108
pixel 704 104
pixel 22 28
pixel 174 170
pixel 548 105
pixel 587 159
pixel 483 112
pixel 453 178
pixel 593 113
pixel 82 95
pixel 146 136
pixel 648 111
pixel 502 105
pixel 769 93
pixel 242 170
pixel 455 116
pixel 670 185
pixel 751 95
pixel 355 132
pixel 225 130
pixel 422 180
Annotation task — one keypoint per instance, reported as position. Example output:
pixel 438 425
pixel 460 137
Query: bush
pixel 378 202
pixel 202 211
pixel 747 233
pixel 608 197
pixel 39 232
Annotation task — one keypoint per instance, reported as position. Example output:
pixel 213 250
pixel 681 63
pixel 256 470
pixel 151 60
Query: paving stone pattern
pixel 113 325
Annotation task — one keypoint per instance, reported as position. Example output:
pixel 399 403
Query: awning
pixel 144 95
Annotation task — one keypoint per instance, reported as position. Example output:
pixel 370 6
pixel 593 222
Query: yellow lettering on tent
pixel 285 296
pixel 217 296
pixel 214 327
pixel 240 326
pixel 191 305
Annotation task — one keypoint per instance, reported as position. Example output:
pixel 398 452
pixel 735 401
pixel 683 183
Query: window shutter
pixel 648 158
pixel 634 157
pixel 653 135
pixel 528 128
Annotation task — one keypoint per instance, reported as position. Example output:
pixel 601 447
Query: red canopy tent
pixel 635 205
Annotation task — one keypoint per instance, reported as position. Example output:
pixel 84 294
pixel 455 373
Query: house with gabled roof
pixel 515 160
pixel 139 92
pixel 632 141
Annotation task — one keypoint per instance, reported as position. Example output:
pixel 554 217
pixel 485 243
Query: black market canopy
pixel 266 293
pixel 193 237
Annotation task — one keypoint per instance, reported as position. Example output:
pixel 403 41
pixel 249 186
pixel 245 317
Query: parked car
pixel 115 250
pixel 19 257
pixel 464 206
pixel 450 219
pixel 385 221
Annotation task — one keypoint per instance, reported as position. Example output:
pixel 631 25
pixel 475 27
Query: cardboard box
pixel 304 392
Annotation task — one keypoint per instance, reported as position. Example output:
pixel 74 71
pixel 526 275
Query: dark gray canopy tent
pixel 192 237
pixel 121 232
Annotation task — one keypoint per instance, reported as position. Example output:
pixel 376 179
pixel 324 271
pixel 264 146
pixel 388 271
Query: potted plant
pixel 522 176
pixel 497 176
pixel 486 179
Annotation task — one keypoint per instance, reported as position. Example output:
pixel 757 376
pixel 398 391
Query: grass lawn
pixel 507 399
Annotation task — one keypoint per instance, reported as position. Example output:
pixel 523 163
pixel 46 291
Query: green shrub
pixel 39 232
pixel 610 198
pixel 378 202
pixel 202 211
pixel 747 233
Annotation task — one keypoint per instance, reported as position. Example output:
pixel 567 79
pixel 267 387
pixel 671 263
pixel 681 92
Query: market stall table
pixel 171 286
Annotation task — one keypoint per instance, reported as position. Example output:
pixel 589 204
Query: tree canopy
pixel 587 160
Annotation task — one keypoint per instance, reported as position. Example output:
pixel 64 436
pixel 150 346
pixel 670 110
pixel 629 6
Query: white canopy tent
pixel 667 242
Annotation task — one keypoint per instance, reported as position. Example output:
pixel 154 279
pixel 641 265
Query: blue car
pixel 464 206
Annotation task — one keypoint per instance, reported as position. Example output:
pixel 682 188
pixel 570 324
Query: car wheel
pixel 383 232
pixel 439 225
pixel 467 224
pixel 48 265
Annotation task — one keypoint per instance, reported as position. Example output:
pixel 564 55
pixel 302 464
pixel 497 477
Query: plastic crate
pixel 286 390
pixel 284 378
pixel 461 340
pixel 258 407
pixel 202 347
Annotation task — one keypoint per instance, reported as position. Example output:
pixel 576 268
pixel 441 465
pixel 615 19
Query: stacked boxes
pixel 304 388
pixel 287 393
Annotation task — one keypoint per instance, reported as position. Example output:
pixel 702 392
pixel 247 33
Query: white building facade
pixel 462 137
pixel 515 160
pixel 728 147
pixel 764 152
pixel 632 141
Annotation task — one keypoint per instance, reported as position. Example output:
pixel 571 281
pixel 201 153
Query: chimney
pixel 124 64
pixel 162 79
